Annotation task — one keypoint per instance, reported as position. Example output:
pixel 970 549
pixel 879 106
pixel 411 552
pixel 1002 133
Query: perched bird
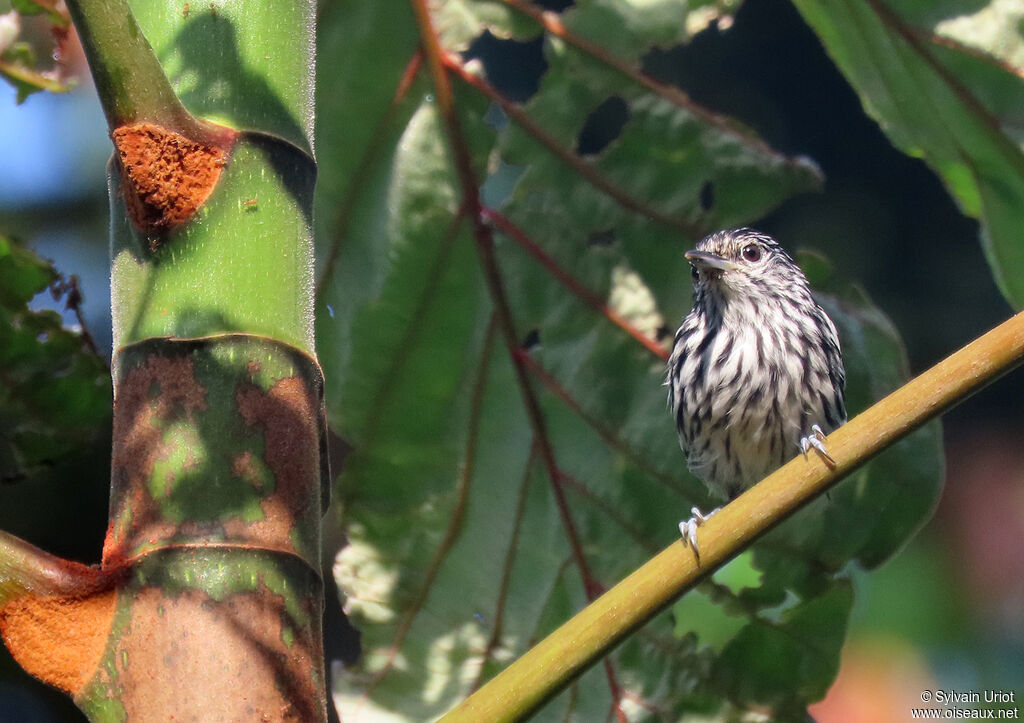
pixel 756 375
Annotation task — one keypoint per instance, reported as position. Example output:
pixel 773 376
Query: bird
pixel 756 372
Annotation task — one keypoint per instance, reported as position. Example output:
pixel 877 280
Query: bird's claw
pixel 688 528
pixel 816 439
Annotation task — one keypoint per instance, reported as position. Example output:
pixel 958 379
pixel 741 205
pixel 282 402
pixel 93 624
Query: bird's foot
pixel 816 439
pixel 688 528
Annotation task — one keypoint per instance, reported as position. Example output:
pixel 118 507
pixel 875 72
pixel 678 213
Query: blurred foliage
pixel 459 556
pixel 19 57
pixel 54 390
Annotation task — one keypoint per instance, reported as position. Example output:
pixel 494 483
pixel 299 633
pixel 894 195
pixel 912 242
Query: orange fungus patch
pixel 165 175
pixel 59 640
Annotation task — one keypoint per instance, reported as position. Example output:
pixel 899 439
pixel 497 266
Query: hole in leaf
pixel 707 195
pixel 532 340
pixel 604 237
pixel 513 67
pixel 602 126
pixel 555 5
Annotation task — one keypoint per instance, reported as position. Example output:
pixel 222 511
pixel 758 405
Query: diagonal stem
pixel 556 661
pixel 130 81
pixel 27 570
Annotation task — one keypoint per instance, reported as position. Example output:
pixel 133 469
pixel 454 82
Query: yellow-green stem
pixel 550 665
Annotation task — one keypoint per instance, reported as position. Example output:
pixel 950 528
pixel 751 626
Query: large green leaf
pixel 944 80
pixel 459 554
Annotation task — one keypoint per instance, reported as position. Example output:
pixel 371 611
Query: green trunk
pixel 208 603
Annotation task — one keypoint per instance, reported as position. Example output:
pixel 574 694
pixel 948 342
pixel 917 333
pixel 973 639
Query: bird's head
pixel 743 261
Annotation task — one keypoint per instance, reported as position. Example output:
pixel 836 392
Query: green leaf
pixel 54 392
pixel 459 555
pixel 795 658
pixel 22 274
pixel 18 64
pixel 943 79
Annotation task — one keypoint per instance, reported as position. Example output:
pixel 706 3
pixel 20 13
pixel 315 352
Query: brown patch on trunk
pixel 171 644
pixel 244 466
pixel 166 177
pixel 288 414
pixel 159 389
pixel 59 640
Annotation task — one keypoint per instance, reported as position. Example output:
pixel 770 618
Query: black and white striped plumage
pixel 756 374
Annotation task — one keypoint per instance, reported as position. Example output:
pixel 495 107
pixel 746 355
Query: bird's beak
pixel 703 260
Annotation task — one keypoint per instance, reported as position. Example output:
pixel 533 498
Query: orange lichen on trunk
pixel 59 640
pixel 165 176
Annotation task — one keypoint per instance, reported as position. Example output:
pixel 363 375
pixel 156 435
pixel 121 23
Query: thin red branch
pixel 616 691
pixel 583 293
pixel 960 47
pixel 584 169
pixel 435 56
pixel 73 303
pixel 373 148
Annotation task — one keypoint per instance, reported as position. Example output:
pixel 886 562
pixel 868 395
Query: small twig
pixel 73 303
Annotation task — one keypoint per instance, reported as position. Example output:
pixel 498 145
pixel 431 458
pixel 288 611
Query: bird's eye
pixel 693 273
pixel 751 253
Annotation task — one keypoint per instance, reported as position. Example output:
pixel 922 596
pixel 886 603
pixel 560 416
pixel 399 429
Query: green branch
pixel 27 570
pixel 130 82
pixel 552 664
